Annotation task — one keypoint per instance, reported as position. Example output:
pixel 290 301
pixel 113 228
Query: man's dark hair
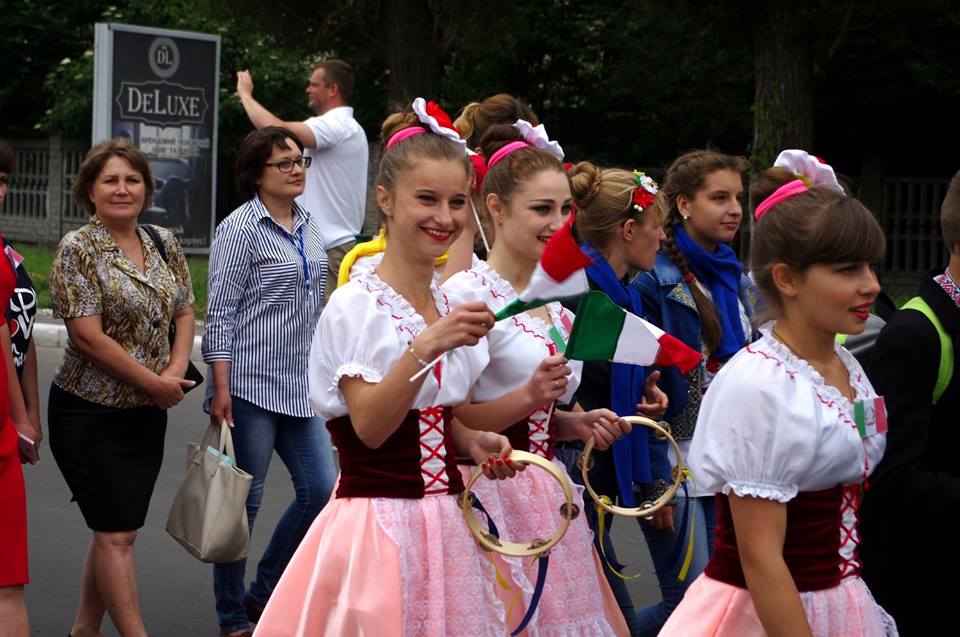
pixel 8 160
pixel 254 153
pixel 950 215
pixel 340 73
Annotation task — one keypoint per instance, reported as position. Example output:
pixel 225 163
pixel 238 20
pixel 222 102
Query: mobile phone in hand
pixel 28 448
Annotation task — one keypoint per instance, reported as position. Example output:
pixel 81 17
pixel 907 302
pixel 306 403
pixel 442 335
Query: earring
pixel 686 217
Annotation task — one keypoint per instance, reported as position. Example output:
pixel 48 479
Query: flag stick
pixel 476 216
pixel 426 368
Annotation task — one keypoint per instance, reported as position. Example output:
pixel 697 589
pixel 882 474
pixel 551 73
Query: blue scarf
pixel 720 272
pixel 631 455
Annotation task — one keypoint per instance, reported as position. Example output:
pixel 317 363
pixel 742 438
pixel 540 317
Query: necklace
pixel 846 391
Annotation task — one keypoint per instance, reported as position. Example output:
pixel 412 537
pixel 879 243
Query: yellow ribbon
pixel 505 585
pixel 367 249
pixel 690 529
pixel 602 514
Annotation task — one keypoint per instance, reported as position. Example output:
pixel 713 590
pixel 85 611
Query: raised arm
pixel 261 117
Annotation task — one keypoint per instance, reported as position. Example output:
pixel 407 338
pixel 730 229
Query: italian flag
pixel 604 331
pixel 558 274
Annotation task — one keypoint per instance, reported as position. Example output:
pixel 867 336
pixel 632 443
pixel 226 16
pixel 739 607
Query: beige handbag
pixel 209 516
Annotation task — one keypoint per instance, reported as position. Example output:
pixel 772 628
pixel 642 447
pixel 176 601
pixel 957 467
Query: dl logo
pixel 164 57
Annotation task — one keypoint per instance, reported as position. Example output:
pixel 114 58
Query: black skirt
pixel 109 457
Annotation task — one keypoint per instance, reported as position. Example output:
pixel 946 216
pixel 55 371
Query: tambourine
pixel 537 547
pixel 646 508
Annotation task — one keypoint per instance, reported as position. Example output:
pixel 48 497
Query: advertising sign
pixel 159 88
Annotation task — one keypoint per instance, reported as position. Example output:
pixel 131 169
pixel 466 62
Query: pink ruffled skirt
pixel 386 568
pixel 711 607
pixel 576 600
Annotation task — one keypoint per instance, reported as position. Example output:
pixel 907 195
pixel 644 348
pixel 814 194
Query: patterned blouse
pixel 91 275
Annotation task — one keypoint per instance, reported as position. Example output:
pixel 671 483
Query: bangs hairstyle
pixel 404 155
pixel 507 174
pixel 820 226
pixel 97 158
pixel 254 153
pixel 605 202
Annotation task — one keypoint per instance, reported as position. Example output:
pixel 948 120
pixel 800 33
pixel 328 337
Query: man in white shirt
pixel 336 188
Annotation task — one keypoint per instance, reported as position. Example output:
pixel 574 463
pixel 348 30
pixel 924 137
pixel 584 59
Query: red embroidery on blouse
pixel 485 282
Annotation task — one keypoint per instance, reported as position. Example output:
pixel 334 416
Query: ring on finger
pixel 556 384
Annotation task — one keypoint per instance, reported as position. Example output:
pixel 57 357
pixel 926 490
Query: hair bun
pixel 585 183
pixel 497 136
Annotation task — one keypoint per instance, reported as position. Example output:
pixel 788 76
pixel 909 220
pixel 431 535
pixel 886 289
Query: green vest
pixel 945 372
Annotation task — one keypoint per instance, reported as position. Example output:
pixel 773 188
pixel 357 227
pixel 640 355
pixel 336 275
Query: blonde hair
pixel 604 199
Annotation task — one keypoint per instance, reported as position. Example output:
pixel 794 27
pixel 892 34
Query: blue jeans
pixel 303 445
pixel 661 543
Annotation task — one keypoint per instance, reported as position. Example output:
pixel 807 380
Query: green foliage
pixel 631 83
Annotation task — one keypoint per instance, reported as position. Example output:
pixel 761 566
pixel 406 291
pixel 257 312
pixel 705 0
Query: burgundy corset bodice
pixel 811 548
pixel 415 461
pixel 535 433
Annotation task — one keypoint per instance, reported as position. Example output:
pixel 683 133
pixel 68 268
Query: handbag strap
pixel 157 241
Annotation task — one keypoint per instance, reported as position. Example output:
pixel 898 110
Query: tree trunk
pixel 410 48
pixel 783 107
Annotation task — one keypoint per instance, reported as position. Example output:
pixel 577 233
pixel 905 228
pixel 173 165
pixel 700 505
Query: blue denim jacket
pixel 668 303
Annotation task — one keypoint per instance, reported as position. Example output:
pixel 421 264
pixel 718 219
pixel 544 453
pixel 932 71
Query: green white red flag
pixel 604 331
pixel 558 274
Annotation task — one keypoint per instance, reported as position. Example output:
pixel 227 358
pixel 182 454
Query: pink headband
pixel 503 152
pixel 404 133
pixel 782 193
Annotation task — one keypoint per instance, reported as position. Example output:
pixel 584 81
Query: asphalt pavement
pixel 176 591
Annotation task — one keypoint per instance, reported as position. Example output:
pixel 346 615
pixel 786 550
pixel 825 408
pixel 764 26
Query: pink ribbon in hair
pixel 503 152
pixel 404 133
pixel 782 193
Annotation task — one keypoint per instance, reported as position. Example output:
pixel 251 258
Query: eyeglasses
pixel 286 165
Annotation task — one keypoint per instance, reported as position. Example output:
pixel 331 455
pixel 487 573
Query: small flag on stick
pixel 604 331
pixel 558 274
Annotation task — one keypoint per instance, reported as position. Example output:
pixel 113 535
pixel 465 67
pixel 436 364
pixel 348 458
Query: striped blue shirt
pixel 264 295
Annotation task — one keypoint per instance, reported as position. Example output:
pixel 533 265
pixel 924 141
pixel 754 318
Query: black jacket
pixel 911 511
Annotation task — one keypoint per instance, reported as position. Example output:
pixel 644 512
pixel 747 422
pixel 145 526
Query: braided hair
pixel 685 176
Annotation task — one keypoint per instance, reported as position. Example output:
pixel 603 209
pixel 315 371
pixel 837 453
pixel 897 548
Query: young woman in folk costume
pixel 697 292
pixel 365 257
pixel 478 232
pixel 392 555
pixel 791 427
pixel 528 195
pixel 473 122
pixel 621 230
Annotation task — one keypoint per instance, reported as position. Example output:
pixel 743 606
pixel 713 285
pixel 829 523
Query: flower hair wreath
pixel 644 192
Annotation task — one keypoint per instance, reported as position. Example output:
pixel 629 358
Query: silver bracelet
pixel 416 357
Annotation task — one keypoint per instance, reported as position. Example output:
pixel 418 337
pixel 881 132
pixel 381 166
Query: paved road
pixel 175 590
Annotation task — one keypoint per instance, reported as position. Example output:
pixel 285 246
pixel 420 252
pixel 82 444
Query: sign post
pixel 159 88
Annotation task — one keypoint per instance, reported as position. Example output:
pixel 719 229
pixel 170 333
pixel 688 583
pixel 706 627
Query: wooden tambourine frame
pixel 537 547
pixel 646 508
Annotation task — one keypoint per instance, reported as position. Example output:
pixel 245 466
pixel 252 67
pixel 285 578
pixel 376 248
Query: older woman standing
pixel 267 273
pixel 119 374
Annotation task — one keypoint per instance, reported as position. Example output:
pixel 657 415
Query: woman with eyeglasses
pixel 265 292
